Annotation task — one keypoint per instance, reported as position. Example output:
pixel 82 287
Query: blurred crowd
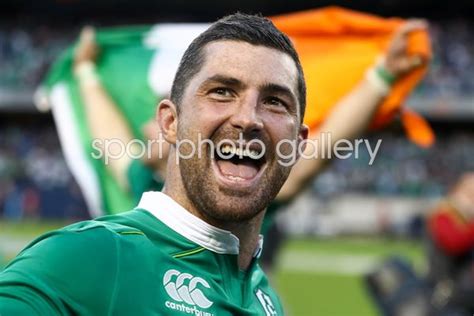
pixel 34 179
pixel 25 55
pixel 33 172
pixel 452 68
pixel 402 168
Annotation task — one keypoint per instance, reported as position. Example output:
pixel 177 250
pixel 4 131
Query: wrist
pixel 380 78
pixel 86 73
pixel 387 76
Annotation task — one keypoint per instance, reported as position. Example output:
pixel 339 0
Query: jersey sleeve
pixel 61 273
pixel 141 178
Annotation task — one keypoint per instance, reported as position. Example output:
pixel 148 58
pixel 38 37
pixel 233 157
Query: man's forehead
pixel 250 63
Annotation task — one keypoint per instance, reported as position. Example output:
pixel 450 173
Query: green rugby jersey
pixel 157 259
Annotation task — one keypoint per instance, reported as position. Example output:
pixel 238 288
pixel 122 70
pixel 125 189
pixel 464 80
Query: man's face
pixel 244 92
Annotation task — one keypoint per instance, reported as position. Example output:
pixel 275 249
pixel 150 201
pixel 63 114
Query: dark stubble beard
pixel 226 205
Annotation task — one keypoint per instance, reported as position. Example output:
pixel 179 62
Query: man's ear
pixel 302 136
pixel 166 116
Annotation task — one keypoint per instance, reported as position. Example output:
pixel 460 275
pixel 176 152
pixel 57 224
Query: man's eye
pixel 222 92
pixel 275 102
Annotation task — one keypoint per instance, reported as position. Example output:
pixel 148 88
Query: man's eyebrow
pixel 267 87
pixel 225 80
pixel 276 88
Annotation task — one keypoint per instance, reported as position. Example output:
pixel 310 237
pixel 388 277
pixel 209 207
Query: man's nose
pixel 246 116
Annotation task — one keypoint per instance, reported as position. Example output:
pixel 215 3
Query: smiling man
pixel 192 248
pixel 247 92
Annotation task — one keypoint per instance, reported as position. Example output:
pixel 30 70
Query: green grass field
pixel 313 276
pixel 323 277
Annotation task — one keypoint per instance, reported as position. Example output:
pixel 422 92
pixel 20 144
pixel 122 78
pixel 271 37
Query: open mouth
pixel 236 164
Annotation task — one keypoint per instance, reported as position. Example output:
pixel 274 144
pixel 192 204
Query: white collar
pixel 186 224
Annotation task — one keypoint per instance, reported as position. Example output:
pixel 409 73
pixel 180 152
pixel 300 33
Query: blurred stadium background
pixel 353 216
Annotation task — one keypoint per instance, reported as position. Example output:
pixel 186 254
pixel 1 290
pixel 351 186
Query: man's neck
pixel 247 232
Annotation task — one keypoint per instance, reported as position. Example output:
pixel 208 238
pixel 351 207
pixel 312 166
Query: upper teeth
pixel 229 150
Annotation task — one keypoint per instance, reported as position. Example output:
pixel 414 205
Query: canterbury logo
pixel 183 287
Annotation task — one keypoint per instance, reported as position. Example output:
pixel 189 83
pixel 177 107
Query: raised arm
pixel 103 116
pixel 352 115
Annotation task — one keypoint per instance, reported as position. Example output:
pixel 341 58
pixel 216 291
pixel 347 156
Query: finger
pixel 409 63
pixel 410 26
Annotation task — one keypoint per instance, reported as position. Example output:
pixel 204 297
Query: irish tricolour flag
pixel 137 66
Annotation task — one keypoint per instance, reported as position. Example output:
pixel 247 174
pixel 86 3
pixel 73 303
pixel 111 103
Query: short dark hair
pixel 253 29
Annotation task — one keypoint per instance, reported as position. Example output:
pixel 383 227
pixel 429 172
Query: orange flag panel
pixel 336 47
